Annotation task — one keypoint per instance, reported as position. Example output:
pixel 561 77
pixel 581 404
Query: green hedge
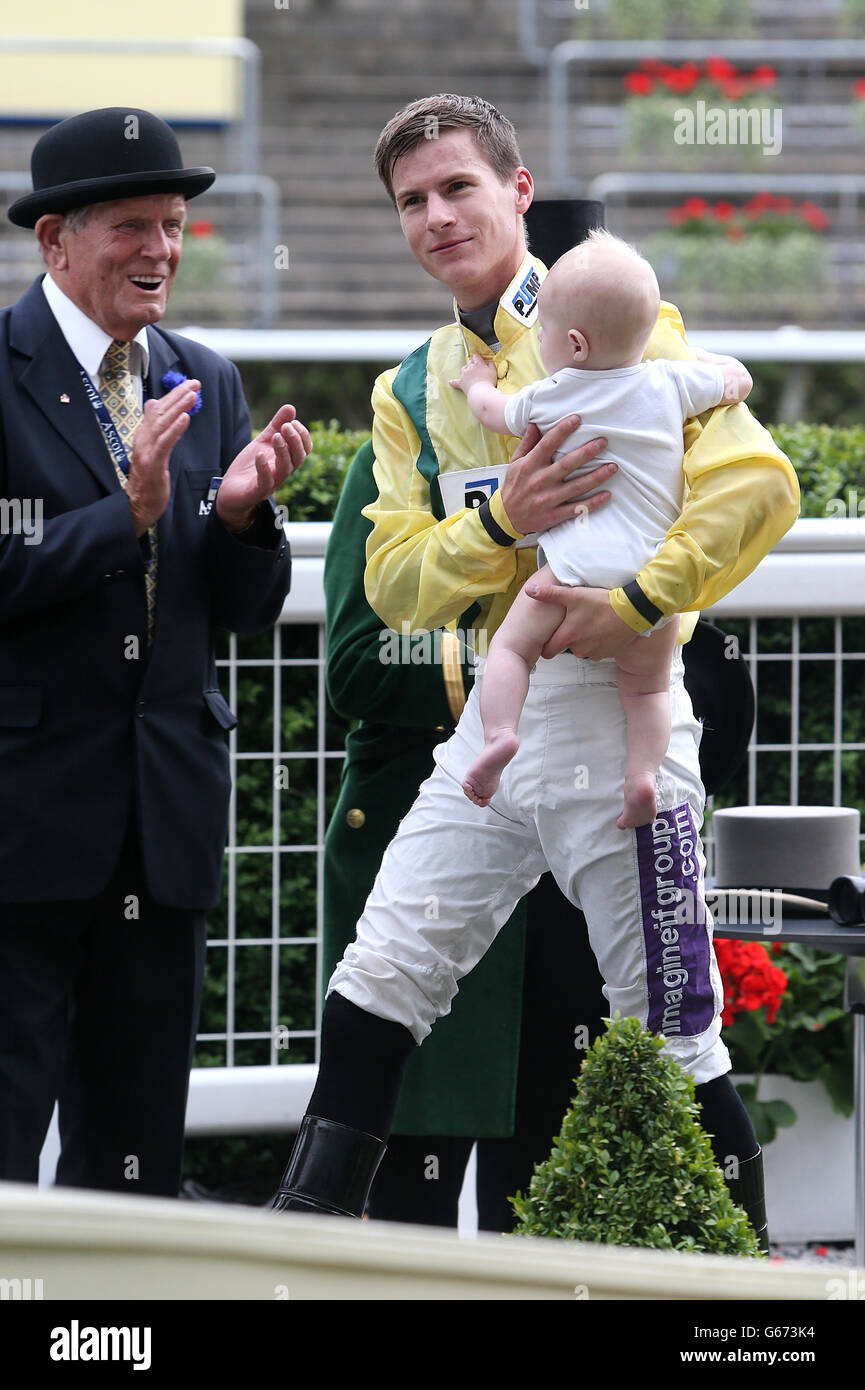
pixel 830 466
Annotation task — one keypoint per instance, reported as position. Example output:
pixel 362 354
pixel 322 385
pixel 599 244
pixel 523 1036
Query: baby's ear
pixel 579 344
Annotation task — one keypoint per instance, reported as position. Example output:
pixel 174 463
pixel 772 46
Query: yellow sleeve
pixel 742 495
pixel 421 571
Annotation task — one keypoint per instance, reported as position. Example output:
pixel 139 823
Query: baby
pixel 596 311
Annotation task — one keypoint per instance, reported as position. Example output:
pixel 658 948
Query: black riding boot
pixel 330 1170
pixel 726 1120
pixel 747 1191
pixel 342 1137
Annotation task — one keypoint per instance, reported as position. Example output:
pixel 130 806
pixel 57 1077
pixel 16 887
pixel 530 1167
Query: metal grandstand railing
pixel 806 59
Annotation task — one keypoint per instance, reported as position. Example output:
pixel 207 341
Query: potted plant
pixel 663 103
pixel 632 1165
pixel 203 268
pixel 791 1049
pixel 746 258
pixel 783 1015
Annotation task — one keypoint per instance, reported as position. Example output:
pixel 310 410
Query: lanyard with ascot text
pixel 116 447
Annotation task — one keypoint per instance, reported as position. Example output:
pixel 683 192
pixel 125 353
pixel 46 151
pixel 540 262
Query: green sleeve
pixel 361 682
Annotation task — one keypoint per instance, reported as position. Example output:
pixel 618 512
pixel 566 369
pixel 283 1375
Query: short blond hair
pixel 624 307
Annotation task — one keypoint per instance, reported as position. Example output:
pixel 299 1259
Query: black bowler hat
pixel 118 152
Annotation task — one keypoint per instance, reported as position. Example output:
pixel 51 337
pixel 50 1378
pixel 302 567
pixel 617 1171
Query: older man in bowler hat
pixel 131 448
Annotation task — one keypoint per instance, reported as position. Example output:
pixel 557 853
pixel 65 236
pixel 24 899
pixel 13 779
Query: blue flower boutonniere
pixel 172 379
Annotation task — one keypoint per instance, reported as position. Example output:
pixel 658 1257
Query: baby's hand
pixel 478 369
pixel 737 380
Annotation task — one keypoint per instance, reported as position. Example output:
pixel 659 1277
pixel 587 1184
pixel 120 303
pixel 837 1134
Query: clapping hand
pixel 262 467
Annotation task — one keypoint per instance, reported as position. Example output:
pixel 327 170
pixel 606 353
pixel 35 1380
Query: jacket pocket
pixel 220 709
pixel 199 480
pixel 20 706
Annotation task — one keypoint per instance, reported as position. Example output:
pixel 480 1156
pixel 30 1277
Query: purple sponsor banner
pixel 681 1001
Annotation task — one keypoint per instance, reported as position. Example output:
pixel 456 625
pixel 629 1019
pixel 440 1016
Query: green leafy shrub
pixel 633 1165
pixel 830 464
pixel 311 494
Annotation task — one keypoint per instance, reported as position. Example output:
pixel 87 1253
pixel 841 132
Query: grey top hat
pixel 116 152
pixel 797 849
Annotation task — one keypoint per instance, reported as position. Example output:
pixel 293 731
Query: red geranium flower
pixel 718 68
pixel 200 228
pixel 764 76
pixel 749 978
pixel 639 84
pixel 724 211
pixel 858 88
pixel 783 204
pixel 680 79
pixel 760 203
pixel 734 87
pixel 815 217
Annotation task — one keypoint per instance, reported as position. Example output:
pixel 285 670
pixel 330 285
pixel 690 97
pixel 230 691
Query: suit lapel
pixel 51 377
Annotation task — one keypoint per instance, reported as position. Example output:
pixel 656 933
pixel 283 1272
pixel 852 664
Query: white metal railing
pixel 816 572
pixel 789 343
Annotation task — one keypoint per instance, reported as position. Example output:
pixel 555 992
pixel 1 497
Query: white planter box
pixel 809 1167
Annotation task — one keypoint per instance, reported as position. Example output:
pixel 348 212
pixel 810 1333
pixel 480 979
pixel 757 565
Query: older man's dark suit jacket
pixel 85 726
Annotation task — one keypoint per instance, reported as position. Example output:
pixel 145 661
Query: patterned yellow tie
pixel 120 394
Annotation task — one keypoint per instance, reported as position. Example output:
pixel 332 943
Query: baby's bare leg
pixel 515 648
pixel 643 676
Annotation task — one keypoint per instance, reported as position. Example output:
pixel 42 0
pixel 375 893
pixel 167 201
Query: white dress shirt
pixel 89 342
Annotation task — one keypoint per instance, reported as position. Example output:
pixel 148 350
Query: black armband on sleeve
pixel 634 594
pixel 491 526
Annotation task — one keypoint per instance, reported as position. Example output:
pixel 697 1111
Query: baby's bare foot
pixel 484 775
pixel 640 806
